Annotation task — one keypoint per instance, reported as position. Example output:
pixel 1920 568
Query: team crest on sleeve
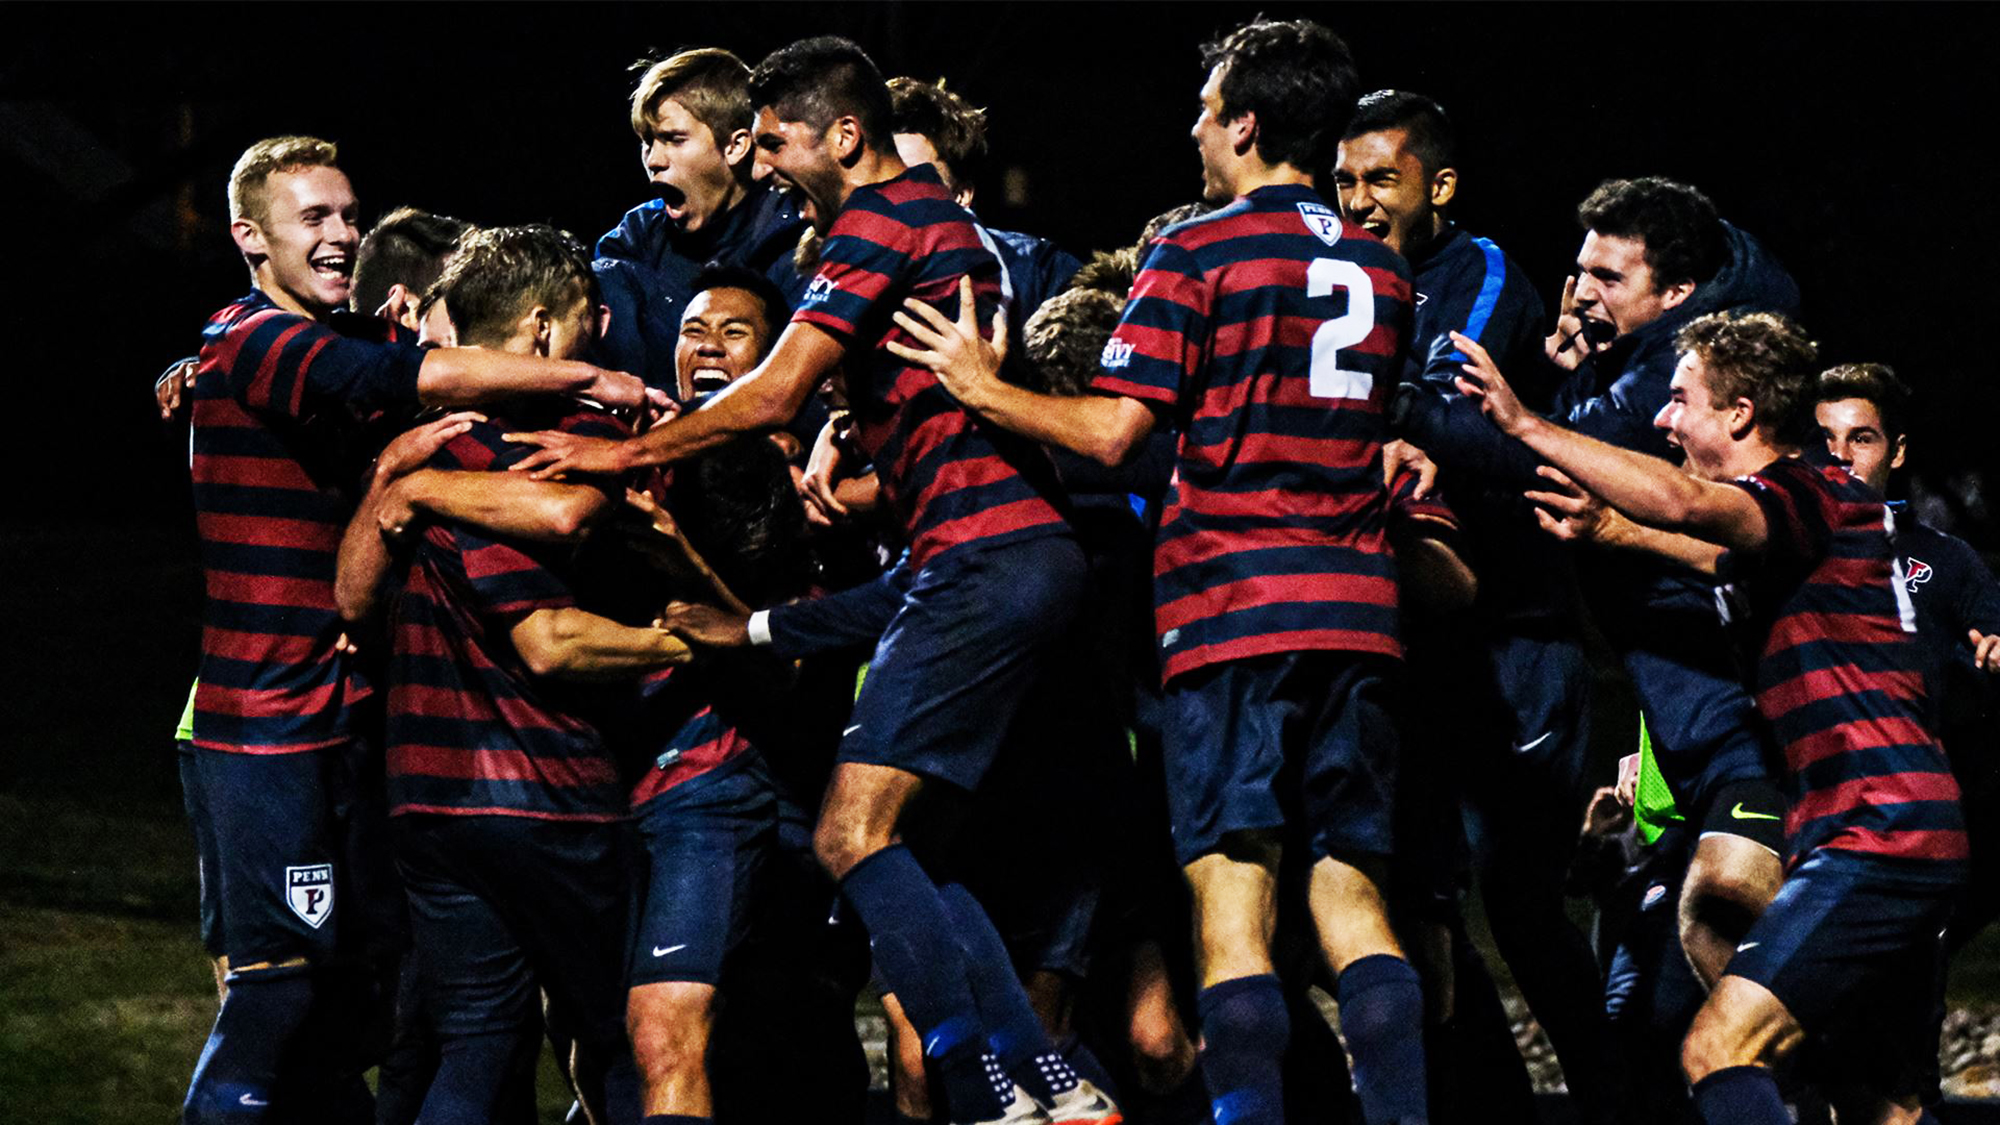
pixel 1321 220
pixel 1117 353
pixel 821 288
pixel 309 892
pixel 1917 573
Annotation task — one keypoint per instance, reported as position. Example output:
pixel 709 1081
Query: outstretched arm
pixel 1575 516
pixel 575 644
pixel 1104 428
pixel 1647 489
pixel 767 397
pixel 366 555
pixel 471 376
pixel 502 503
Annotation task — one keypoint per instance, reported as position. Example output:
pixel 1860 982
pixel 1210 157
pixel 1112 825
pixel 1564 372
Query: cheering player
pixel 1875 837
pixel 997 571
pixel 1270 333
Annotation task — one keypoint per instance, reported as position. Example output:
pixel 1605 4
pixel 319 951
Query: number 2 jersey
pixel 1269 334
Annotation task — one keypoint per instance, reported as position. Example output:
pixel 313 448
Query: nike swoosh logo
pixel 1748 945
pixel 1524 747
pixel 658 952
pixel 850 730
pixel 251 1101
pixel 1739 814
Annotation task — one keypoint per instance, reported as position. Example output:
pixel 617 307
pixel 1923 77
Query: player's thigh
pixel 471 974
pixel 278 855
pixel 704 846
pixel 1341 707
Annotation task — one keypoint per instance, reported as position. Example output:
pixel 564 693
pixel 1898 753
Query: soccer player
pixel 1520 735
pixel 1270 332
pixel 505 797
pixel 283 372
pixel 997 571
pixel 402 256
pixel 1876 845
pixel 692 114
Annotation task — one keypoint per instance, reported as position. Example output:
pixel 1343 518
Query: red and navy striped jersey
pixel 1839 675
pixel 954 480
pixel 275 462
pixel 681 734
pixel 1269 333
pixel 471 730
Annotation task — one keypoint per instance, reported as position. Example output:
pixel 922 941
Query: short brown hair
pixel 1065 338
pixel 955 127
pixel 713 85
pixel 1763 357
pixel 269 156
pixel 1876 383
pixel 500 273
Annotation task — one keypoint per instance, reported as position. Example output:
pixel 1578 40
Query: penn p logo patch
pixel 1321 220
pixel 1919 573
pixel 309 892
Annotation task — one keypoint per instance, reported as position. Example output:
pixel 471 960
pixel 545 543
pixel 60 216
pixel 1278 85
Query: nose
pixel 1664 420
pixel 760 168
pixel 1587 292
pixel 709 346
pixel 338 230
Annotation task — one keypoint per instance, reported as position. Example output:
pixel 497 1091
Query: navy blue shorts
pixel 1298 741
pixel 207 864
pixel 301 867
pixel 502 905
pixel 955 663
pixel 704 844
pixel 1851 946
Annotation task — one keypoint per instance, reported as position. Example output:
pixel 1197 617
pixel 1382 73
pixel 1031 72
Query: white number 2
pixel 1329 379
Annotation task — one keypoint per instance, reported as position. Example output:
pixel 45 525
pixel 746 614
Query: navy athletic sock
pixel 472 1071
pixel 1382 1016
pixel 1084 1061
pixel 1012 1027
pixel 235 1079
pixel 1741 1095
pixel 910 933
pixel 1244 1030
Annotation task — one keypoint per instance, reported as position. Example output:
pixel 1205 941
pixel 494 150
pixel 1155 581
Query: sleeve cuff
pixel 760 628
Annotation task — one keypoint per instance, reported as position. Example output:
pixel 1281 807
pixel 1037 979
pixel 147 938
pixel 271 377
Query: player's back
pixel 1272 332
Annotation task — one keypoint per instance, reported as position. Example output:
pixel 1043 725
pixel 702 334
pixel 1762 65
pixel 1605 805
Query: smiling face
pixel 1381 186
pixel 302 249
pixel 800 161
pixel 1856 437
pixel 691 167
pixel 1616 288
pixel 723 335
pixel 1699 426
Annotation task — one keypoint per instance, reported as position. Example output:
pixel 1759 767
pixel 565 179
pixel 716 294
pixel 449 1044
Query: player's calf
pixel 669 1024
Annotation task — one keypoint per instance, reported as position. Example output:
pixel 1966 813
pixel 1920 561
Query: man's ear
pixel 603 320
pixel 1444 185
pixel 1671 296
pixel 1242 132
pixel 541 325
pixel 249 239
pixel 1742 418
pixel 844 140
pixel 737 149
pixel 1902 451
pixel 400 307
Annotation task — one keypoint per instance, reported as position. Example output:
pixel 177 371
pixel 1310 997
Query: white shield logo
pixel 1321 221
pixel 309 892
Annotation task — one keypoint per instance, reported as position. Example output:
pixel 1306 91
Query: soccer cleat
pixel 1085 1104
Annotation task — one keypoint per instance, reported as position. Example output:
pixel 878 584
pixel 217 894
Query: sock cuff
pixel 895 855
pixel 1731 1074
pixel 1224 991
pixel 1374 971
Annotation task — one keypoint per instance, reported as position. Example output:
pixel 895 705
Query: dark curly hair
pixel 1684 237
pixel 1298 78
pixel 1876 382
pixel 1065 338
pixel 1763 357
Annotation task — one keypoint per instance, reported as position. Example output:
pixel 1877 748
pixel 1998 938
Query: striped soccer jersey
pixel 1270 334
pixel 275 464
pixel 471 731
pixel 954 481
pixel 1839 674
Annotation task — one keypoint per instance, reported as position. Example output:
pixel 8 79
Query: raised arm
pixel 1104 428
pixel 767 397
pixel 1647 489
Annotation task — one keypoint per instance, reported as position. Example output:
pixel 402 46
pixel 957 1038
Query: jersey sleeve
pixel 1795 502
pixel 288 364
pixel 1158 342
pixel 864 267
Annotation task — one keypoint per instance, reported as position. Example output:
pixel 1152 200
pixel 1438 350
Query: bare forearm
pixel 1696 554
pixel 1643 487
pixel 769 396
pixel 365 560
pixel 470 376
pixel 575 644
pixel 1094 426
pixel 508 504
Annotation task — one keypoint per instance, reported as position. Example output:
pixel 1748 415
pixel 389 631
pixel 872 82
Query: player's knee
pixel 1156 1035
pixel 670 1034
pixel 840 844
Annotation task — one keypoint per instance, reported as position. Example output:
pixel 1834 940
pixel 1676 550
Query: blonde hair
pixel 261 160
pixel 711 83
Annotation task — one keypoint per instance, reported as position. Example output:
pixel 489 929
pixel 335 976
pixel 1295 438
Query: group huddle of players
pixel 645 650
